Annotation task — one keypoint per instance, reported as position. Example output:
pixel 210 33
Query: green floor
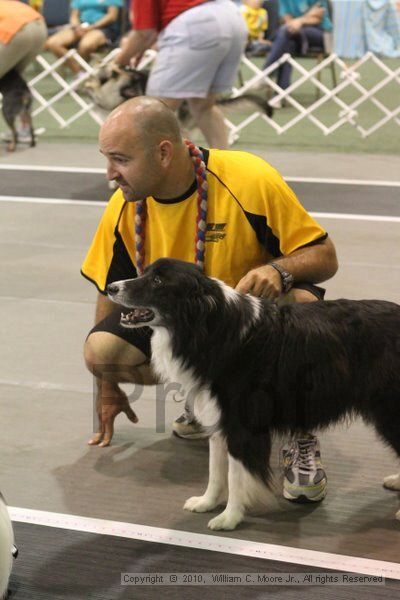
pixel 258 136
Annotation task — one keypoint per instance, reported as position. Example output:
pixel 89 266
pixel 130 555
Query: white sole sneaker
pixel 304 494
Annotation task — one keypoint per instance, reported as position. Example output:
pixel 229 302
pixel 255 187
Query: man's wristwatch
pixel 287 278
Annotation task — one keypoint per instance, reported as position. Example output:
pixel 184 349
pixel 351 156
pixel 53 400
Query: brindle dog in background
pixel 16 103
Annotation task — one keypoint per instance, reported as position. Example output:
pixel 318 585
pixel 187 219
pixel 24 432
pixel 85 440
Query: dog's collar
pixel 201 221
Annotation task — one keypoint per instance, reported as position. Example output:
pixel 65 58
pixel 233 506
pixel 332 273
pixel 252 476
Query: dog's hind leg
pixel 12 144
pixel 245 491
pixel 9 118
pixel 29 123
pixel 26 118
pixel 389 430
pixel 32 134
pixel 218 477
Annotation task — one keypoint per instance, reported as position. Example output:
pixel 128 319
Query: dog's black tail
pixel 246 100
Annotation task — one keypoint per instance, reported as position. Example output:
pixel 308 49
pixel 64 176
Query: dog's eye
pixel 157 280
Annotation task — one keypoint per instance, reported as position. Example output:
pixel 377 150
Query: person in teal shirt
pixel 93 24
pixel 299 8
pixel 304 24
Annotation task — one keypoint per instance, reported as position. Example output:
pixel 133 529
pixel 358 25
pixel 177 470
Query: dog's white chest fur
pixel 169 368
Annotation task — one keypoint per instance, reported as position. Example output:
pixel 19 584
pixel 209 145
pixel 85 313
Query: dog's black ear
pixel 103 74
pixel 184 112
pixel 130 91
pixel 143 77
pixel 144 74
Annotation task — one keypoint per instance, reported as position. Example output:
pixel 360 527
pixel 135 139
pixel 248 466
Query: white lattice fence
pixel 73 89
pixel 347 103
pixel 346 110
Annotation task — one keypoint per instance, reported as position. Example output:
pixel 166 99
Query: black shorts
pixel 141 337
pixel 111 32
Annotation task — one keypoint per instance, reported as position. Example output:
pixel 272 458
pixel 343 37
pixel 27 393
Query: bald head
pixel 145 152
pixel 148 119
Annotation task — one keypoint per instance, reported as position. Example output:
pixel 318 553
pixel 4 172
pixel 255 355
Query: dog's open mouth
pixel 136 316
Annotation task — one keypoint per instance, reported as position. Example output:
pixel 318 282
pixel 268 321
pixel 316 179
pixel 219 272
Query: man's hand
pixel 133 46
pixel 294 25
pixel 316 11
pixel 80 30
pixel 111 401
pixel 313 17
pixel 262 282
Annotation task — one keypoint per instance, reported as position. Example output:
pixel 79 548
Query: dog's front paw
pixel 199 504
pixel 392 482
pixel 228 520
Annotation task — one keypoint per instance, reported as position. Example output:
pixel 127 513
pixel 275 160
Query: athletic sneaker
pixel 24 135
pixel 188 428
pixel 276 102
pixel 304 476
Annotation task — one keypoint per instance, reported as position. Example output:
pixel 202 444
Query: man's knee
pixel 86 48
pixel 111 358
pixel 105 352
pixel 97 350
pixel 52 45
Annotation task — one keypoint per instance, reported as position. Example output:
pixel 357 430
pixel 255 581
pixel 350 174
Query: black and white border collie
pixel 6 548
pixel 252 369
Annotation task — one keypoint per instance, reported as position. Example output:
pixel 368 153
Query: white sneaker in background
pixel 24 135
pixel 276 102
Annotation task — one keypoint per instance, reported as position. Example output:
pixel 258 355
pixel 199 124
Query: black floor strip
pixel 56 564
pixel 318 197
pixel 70 186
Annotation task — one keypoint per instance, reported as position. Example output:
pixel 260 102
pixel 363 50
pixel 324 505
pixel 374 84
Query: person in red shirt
pixel 199 48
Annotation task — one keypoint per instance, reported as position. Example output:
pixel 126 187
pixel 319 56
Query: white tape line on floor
pixel 214 543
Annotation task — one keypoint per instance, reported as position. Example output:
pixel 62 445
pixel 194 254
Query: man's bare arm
pixel 313 16
pixel 135 45
pixel 313 264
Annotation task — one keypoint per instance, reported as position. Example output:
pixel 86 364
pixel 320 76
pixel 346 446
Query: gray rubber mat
pixel 370 200
pixel 42 184
pixel 341 198
pixel 56 564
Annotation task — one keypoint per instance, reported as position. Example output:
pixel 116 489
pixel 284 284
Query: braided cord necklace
pixel 201 220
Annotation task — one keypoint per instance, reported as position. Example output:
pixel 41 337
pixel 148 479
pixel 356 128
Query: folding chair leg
pixel 240 78
pixel 333 73
pixel 318 91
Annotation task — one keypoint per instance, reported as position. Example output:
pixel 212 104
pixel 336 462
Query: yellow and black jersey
pixel 252 217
